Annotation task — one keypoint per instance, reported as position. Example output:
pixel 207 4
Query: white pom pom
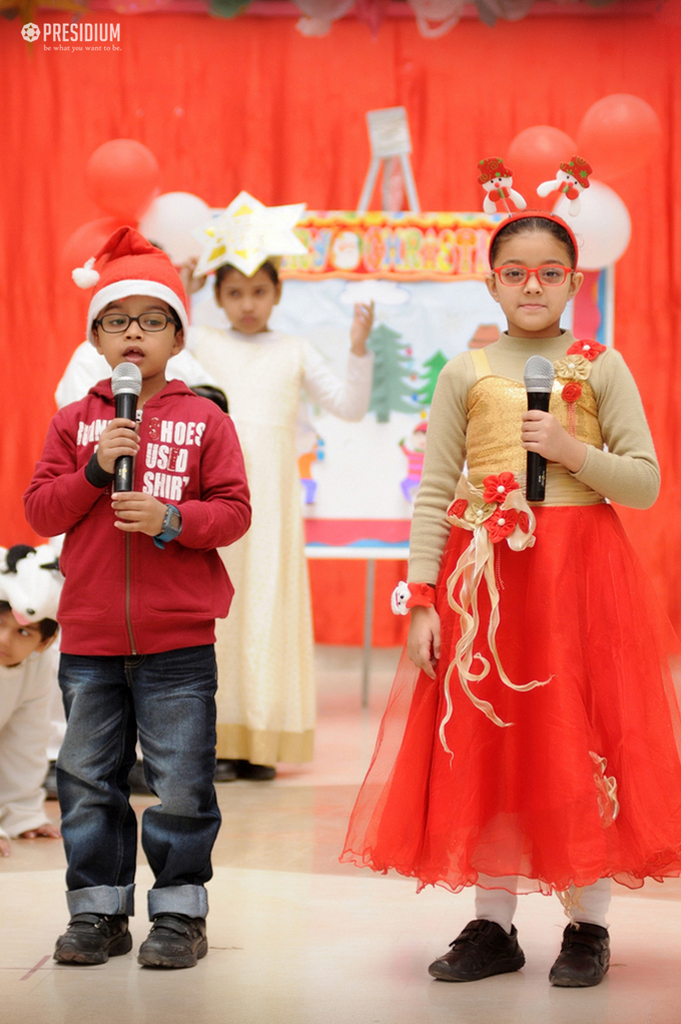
pixel 86 276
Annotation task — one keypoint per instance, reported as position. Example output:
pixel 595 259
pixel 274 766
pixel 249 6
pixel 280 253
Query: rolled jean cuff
pixel 191 900
pixel 102 899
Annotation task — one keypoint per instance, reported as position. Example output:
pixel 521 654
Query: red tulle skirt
pixel 586 782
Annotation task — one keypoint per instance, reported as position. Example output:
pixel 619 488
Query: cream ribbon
pixel 476 565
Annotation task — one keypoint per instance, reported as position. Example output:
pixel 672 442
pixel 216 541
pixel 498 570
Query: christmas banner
pixel 400 246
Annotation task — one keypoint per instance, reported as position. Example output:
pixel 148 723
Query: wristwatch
pixel 171 528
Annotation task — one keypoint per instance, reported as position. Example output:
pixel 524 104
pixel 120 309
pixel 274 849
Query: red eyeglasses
pixel 550 274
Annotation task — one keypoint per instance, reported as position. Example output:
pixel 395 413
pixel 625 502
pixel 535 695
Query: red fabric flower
pixel 572 392
pixel 588 348
pixel 457 508
pixel 497 487
pixel 421 595
pixel 501 524
pixel 524 522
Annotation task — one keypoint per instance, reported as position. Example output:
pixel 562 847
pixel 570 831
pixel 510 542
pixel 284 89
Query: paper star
pixel 248 233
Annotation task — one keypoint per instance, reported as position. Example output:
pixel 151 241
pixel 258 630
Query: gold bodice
pixel 495 409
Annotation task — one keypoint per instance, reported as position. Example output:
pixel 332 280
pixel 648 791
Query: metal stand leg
pixel 368 627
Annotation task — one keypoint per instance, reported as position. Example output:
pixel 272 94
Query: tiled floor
pixel 296 938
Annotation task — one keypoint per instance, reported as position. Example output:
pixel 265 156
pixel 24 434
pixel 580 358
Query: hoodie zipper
pixel 128 620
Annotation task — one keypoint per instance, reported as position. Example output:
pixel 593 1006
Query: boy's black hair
pixel 538 223
pixel 216 395
pixel 267 266
pixel 47 627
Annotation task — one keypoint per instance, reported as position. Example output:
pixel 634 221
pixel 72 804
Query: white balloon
pixel 170 222
pixel 602 226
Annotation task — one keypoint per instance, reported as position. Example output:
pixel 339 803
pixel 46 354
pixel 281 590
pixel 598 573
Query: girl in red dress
pixel 532 738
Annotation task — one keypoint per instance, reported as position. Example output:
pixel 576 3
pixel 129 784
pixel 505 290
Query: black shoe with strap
pixel 584 957
pixel 175 940
pixel 93 938
pixel 482 949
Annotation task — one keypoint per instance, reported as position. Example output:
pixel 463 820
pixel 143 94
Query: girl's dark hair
pixel 538 223
pixel 47 627
pixel 267 266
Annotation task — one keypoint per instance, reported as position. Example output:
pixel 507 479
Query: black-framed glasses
pixel 548 274
pixel 118 323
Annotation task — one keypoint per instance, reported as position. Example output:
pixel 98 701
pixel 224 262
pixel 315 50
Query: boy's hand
pixel 4 848
pixel 542 433
pixel 191 284
pixel 423 643
pixel 362 322
pixel 138 512
pixel 49 831
pixel 118 438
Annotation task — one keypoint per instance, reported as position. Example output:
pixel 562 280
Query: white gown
pixel 266 693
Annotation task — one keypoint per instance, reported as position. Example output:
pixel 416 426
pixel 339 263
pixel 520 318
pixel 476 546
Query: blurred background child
pixel 29 593
pixel 266 690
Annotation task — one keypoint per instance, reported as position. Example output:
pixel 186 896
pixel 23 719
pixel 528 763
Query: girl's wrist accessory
pixel 411 595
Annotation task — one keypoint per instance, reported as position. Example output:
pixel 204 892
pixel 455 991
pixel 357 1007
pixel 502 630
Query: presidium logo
pixel 75 35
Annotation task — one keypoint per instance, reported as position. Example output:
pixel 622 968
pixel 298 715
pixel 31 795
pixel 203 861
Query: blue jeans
pixel 169 699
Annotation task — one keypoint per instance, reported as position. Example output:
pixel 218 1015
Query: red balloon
pixel 619 134
pixel 87 240
pixel 122 177
pixel 534 156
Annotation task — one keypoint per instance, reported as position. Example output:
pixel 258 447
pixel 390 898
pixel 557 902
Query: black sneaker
pixel 175 940
pixel 584 957
pixel 225 771
pixel 255 772
pixel 93 938
pixel 483 948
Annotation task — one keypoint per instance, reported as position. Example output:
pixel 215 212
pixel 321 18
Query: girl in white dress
pixel 266 693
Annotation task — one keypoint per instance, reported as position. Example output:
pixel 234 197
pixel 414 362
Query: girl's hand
pixel 138 512
pixel 191 284
pixel 4 848
pixel 49 831
pixel 119 437
pixel 542 433
pixel 362 322
pixel 423 643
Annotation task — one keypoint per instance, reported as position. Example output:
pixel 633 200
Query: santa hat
pixel 493 167
pixel 579 169
pixel 421 427
pixel 130 266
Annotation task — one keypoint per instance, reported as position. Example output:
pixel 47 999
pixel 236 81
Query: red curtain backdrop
pixel 250 103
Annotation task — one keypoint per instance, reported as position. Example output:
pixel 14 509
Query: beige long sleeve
pixel 627 472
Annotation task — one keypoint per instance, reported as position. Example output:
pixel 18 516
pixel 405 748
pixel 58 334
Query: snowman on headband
pixel 572 189
pixel 571 179
pixel 497 182
pixel 248 234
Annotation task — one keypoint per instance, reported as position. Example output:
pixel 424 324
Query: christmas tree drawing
pixel 391 390
pixel 432 367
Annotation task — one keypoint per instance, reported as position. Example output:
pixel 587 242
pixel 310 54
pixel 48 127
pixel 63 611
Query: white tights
pixel 500 905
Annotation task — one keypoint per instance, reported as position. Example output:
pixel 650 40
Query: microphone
pixel 538 378
pixel 126 384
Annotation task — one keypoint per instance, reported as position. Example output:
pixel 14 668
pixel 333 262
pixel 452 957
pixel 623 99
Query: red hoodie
pixel 122 594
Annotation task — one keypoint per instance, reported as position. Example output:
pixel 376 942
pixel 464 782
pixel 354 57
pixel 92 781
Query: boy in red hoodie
pixel 143 586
